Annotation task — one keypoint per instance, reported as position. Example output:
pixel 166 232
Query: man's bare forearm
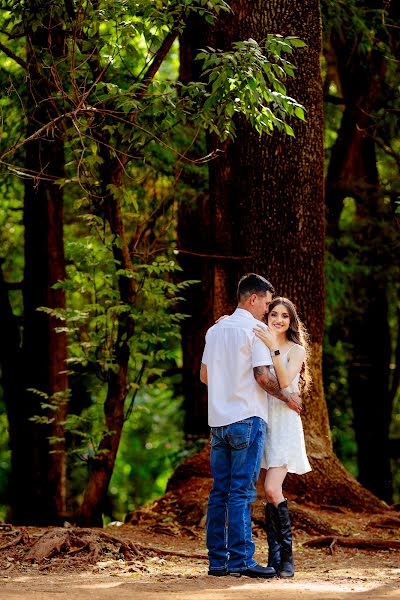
pixel 269 383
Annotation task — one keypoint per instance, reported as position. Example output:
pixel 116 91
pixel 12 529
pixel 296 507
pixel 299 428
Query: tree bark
pixel 37 485
pixel 195 244
pixel 266 202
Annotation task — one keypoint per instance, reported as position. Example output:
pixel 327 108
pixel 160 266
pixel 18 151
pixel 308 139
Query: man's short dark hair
pixel 253 284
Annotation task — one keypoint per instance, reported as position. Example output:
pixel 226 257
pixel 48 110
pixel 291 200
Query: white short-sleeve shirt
pixel 231 352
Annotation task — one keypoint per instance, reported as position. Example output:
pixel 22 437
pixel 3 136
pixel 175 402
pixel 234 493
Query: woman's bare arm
pixel 269 383
pixel 284 374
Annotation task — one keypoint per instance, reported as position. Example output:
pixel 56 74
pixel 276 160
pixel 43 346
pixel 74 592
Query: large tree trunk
pixel 353 172
pixel 194 226
pixel 38 466
pixel 41 471
pixel 266 202
pixel 193 329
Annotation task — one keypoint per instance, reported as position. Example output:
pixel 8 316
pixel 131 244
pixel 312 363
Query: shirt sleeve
pixel 205 355
pixel 206 351
pixel 260 354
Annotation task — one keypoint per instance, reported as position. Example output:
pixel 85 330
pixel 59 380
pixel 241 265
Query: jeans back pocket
pixel 239 434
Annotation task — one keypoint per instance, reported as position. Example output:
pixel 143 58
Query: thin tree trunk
pixel 102 465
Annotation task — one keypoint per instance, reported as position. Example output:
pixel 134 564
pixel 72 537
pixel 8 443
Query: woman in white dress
pixel 284 450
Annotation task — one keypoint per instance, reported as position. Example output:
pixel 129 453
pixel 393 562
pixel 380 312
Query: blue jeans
pixel 236 451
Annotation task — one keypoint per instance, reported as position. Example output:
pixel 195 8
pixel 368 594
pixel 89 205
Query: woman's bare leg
pixel 274 478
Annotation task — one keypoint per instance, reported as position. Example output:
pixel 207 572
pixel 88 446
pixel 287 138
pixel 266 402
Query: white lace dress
pixel 284 443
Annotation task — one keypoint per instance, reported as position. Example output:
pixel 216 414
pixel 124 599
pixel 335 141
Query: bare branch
pixel 157 60
pixel 14 57
pixel 29 173
pixel 387 148
pixel 34 135
pixel 215 256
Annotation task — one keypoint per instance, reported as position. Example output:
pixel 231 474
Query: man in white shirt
pixel 237 411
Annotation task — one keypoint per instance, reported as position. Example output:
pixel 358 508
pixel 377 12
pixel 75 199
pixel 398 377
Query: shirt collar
pixel 242 312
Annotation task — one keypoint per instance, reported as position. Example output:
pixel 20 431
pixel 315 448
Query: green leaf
pixel 288 129
pixel 299 112
pixel 296 42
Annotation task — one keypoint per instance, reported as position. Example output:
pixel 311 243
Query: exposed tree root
pixel 22 538
pixel 308 520
pixel 337 509
pixel 59 541
pixel 371 543
pixel 69 542
pixel 386 523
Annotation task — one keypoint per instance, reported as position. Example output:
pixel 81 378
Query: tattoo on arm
pixel 269 383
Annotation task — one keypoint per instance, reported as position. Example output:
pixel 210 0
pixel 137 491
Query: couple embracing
pixel 252 371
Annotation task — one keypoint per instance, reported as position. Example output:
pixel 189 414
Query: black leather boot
pixel 287 565
pixel 273 536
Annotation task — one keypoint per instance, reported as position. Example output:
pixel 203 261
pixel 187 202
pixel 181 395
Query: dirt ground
pixel 165 561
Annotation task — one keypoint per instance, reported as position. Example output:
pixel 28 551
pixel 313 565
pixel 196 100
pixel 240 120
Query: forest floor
pixel 157 557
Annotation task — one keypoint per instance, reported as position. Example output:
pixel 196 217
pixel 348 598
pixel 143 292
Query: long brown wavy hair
pixel 296 333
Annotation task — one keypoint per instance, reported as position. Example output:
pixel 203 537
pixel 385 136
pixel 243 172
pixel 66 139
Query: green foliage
pixel 5 460
pixel 92 320
pixel 11 231
pixel 248 80
pixel 356 20
pixel 151 446
pixel 346 300
pixel 103 82
pixel 339 296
